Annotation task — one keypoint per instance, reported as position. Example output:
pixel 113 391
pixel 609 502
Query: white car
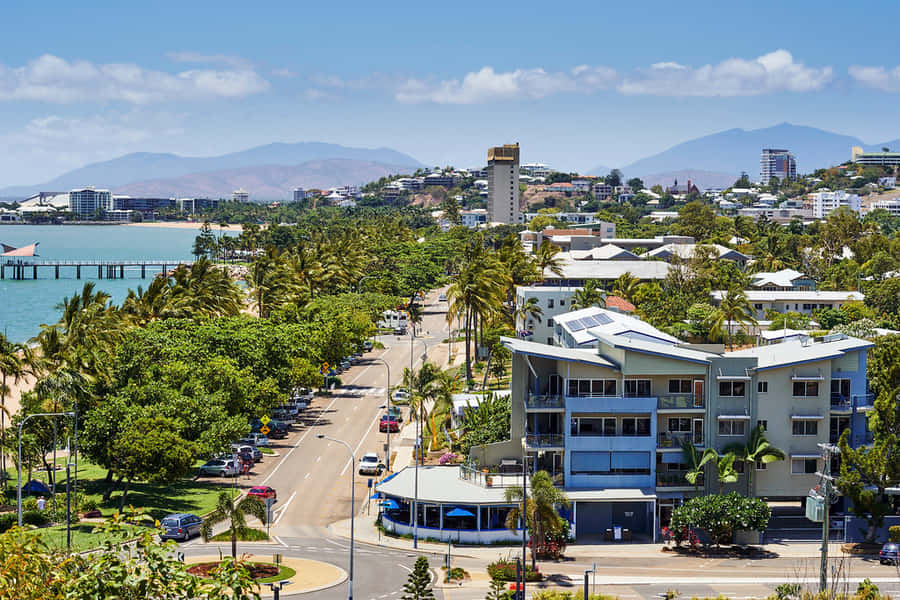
pixel 369 464
pixel 400 396
pixel 442 298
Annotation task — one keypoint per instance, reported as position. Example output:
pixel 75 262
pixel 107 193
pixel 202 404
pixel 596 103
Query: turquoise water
pixel 25 305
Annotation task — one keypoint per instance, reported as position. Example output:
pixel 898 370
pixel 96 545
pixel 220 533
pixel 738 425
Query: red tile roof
pixel 619 303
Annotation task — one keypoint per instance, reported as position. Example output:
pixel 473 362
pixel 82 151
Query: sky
pixel 577 84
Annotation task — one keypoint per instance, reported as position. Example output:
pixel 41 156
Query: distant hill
pixel 702 179
pixel 265 182
pixel 145 166
pixel 737 150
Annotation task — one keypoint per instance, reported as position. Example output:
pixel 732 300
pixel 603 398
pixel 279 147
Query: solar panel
pixel 589 321
pixel 602 319
pixel 576 325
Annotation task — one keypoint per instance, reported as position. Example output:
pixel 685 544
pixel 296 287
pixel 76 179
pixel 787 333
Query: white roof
pixel 608 269
pixel 583 355
pixel 611 494
pixel 794 296
pixel 60 200
pixel 607 252
pixel 783 278
pixel 460 401
pixel 794 352
pixel 440 484
pixel 584 325
pixel 667 350
pixel 776 334
pixel 687 251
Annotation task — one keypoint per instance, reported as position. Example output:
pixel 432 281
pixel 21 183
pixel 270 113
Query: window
pixel 549 322
pixel 761 466
pixel 739 467
pixel 588 388
pixel 762 387
pixel 763 424
pixel 605 426
pixel 562 302
pixel 680 386
pixel 732 427
pixel 637 388
pixel 806 389
pixel 677 425
pixel 636 426
pixel 840 387
pixel 804 427
pixel 732 389
pixel 803 466
pixel 609 463
pixel 550 303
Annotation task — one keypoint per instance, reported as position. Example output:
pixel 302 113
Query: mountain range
pixel 119 174
pixel 719 158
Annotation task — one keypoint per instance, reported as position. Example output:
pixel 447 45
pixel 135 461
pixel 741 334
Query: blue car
pixel 890 553
pixel 181 526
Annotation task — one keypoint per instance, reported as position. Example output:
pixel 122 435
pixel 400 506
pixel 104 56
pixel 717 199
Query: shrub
pixel 7 520
pixel 866 590
pixel 88 504
pixel 505 570
pixel 785 591
pixel 35 517
pixel 29 504
pixel 894 533
pixel 720 516
pixel 448 457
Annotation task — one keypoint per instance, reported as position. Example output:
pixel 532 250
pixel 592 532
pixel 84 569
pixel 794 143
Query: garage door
pixel 592 518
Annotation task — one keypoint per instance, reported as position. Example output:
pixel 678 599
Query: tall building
pixel 240 195
pixel 503 184
pixel 776 163
pixel 822 203
pixel 88 202
pixel 299 194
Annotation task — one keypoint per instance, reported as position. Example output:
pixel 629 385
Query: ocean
pixel 25 305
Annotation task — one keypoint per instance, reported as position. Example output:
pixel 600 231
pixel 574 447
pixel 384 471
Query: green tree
pixel 592 294
pixel 696 462
pixel 758 449
pixel 614 178
pixel 485 423
pixel 546 258
pixel 542 517
pixel 636 184
pixel 235 515
pixel 12 369
pixel 530 309
pixel 733 308
pixel 721 516
pixel 626 286
pixel 418 584
pixel 497 590
pixel 884 296
pixel 697 220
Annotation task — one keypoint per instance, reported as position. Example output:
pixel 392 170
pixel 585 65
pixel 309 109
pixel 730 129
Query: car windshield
pixel 167 523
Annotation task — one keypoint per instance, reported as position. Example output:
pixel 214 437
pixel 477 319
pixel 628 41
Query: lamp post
pixel 19 465
pixel 359 285
pixel 387 458
pixel 276 587
pixel 322 436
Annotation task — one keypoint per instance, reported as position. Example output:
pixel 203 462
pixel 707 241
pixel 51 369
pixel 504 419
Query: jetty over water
pixel 22 269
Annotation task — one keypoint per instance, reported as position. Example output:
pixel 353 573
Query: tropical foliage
pixel 541 516
pixel 720 516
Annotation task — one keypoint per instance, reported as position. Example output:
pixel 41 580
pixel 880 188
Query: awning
pixel 807 417
pixel 807 378
pixel 734 417
pixel 733 377
pixel 612 495
pixel 806 456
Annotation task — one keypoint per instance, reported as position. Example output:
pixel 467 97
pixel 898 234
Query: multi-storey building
pixel 822 203
pixel 602 191
pixel 196 205
pixel 240 195
pixel 875 159
pixel 776 163
pixel 148 207
pixel 610 423
pixel 299 194
pixel 503 184
pixel 892 205
pixel 535 170
pixel 793 300
pixel 88 202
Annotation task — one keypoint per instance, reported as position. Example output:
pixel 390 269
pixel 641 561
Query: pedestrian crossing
pixel 359 391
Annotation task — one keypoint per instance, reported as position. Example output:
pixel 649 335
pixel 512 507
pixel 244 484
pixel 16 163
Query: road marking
pixel 307 476
pixel 278 539
pixel 319 458
pixel 404 567
pixel 359 445
pixel 283 509
pixel 335 543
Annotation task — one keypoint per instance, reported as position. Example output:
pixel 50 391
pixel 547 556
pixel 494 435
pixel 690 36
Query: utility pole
pixel 826 491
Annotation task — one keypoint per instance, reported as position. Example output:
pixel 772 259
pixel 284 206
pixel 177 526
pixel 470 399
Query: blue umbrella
pixel 459 512
pixel 389 504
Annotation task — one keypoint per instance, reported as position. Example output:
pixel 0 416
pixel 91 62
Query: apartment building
pixel 602 191
pixel 555 304
pixel 892 205
pixel 777 163
pixel 503 184
pixel 88 202
pixel 799 301
pixel 240 195
pixel 148 207
pixel 783 281
pixel 609 422
pixel 875 159
pixel 536 170
pixel 299 194
pixel 196 205
pixel 823 203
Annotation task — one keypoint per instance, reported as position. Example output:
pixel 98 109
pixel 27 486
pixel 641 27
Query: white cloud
pixel 886 80
pixel 487 85
pixel 770 73
pixel 53 79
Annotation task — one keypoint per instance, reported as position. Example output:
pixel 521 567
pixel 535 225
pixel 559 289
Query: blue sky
pixel 578 84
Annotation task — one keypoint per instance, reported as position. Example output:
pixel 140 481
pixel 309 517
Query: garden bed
pixel 261 572
pixel 720 552
pixel 861 548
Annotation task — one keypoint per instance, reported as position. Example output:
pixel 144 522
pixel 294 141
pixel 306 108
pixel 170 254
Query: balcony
pixel 840 403
pixel 863 402
pixel 544 440
pixel 675 479
pixel 545 402
pixel 674 439
pixel 687 402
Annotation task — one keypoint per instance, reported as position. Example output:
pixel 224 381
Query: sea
pixel 25 305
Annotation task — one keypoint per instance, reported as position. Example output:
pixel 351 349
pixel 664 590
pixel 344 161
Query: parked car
pixel 274 432
pixel 180 526
pixel 370 465
pixel 221 467
pixel 278 424
pixel 399 330
pixel 368 345
pixel 283 415
pixel 247 452
pixel 890 553
pixel 388 423
pixel 396 413
pixel 255 439
pixel 345 364
pixel 262 492
pixel 400 396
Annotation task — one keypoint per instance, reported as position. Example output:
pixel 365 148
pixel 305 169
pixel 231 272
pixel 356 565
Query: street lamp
pixel 359 285
pixel 276 586
pixel 19 465
pixel 322 436
pixel 387 458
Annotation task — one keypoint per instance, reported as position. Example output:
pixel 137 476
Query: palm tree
pixel 757 450
pixel 546 258
pixel 733 308
pixel 11 367
pixel 696 461
pixel 540 509
pixel 235 515
pixel 725 471
pixel 416 313
pixel 626 286
pixel 592 294
pixel 530 309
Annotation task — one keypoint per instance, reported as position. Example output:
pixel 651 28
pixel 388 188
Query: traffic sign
pixel 264 430
pixel 264 419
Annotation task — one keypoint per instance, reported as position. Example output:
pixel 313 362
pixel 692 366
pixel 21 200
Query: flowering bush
pixel 448 457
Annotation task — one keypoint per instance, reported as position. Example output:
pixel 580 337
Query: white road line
pixel 307 476
pixel 278 539
pixel 319 458
pixel 283 509
pixel 404 567
pixel 336 544
pixel 359 445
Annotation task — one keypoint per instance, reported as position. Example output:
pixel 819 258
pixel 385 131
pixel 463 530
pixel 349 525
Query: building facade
pixel 823 203
pixel 776 163
pixel 89 202
pixel 875 159
pixel 240 195
pixel 503 184
pixel 299 194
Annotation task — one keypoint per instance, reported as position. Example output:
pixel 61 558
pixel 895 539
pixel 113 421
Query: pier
pixel 19 270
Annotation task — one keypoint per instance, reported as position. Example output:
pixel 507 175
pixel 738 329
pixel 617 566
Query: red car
pixel 262 492
pixel 388 423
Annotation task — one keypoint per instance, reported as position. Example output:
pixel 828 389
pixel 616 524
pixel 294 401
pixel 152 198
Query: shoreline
pixel 177 225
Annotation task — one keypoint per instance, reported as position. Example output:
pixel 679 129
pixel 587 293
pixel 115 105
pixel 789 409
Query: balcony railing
pixel 675 479
pixel 544 440
pixel 863 400
pixel 683 402
pixel 839 402
pixel 674 439
pixel 539 401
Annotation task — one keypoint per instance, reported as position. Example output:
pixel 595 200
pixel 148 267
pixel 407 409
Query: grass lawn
pixel 284 573
pixel 265 450
pixel 244 535
pixel 157 501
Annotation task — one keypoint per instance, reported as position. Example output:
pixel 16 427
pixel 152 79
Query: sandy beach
pixel 178 225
